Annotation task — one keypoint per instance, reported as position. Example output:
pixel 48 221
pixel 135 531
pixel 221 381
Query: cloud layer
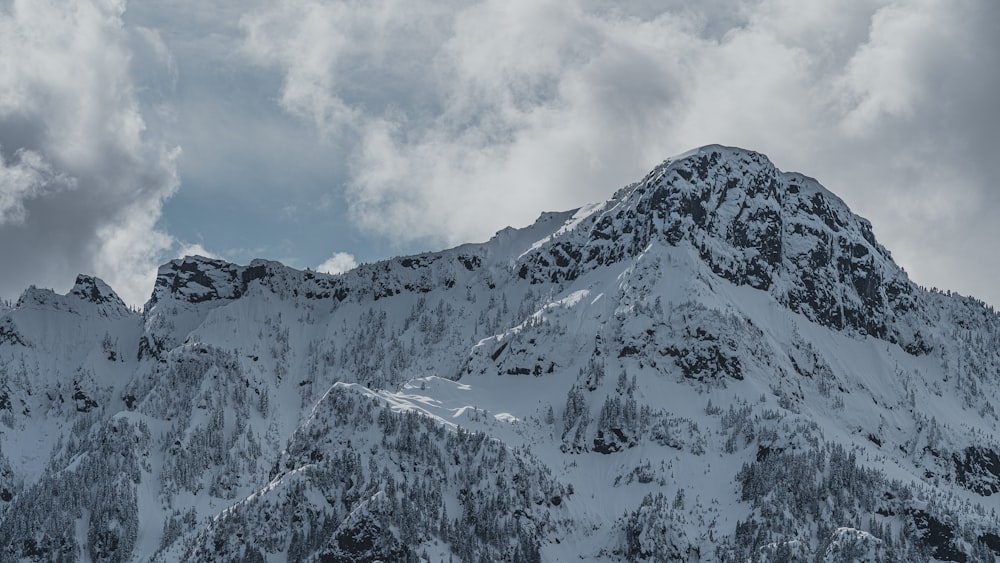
pixel 339 263
pixel 469 115
pixel 80 183
pixel 344 125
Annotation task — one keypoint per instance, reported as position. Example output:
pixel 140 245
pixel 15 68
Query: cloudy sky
pixel 323 133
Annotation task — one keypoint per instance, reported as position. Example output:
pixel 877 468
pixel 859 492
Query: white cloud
pixel 196 249
pixel 130 249
pixel 81 181
pixel 442 122
pixel 500 109
pixel 488 123
pixel 339 263
pixel 29 176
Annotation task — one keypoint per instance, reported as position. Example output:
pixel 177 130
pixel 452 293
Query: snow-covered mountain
pixel 719 363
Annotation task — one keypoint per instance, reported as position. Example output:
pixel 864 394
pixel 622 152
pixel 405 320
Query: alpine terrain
pixel 719 363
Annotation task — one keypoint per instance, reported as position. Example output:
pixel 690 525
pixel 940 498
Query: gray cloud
pixel 80 183
pixel 441 122
pixel 486 112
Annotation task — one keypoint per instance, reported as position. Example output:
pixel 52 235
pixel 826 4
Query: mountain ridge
pixel 197 276
pixel 719 363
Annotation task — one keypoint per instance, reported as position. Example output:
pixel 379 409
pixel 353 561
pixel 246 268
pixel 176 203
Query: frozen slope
pixel 719 363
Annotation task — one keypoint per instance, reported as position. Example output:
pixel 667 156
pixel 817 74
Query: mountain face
pixel 719 363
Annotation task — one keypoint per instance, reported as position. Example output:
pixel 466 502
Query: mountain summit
pixel 719 363
pixel 753 225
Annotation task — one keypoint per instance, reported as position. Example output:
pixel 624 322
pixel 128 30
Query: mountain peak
pixel 751 224
pixel 87 289
pixel 197 278
pixel 94 290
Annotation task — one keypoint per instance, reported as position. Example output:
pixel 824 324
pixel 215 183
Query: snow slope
pixel 719 363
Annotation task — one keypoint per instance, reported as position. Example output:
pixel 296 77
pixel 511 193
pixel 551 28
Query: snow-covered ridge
pixel 94 290
pixel 88 295
pixel 719 363
pixel 196 279
pixel 750 222
pixel 753 225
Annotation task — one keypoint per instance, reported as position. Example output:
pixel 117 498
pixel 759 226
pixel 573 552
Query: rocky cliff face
pixel 753 225
pixel 719 363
